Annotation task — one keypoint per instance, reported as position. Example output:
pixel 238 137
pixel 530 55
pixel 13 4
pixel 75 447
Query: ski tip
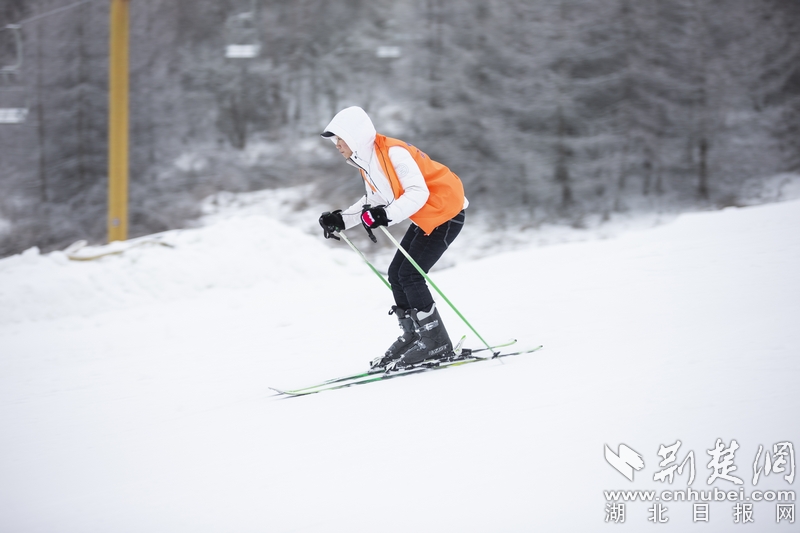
pixel 281 392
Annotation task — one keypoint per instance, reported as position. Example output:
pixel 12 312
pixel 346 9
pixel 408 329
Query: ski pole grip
pixel 369 230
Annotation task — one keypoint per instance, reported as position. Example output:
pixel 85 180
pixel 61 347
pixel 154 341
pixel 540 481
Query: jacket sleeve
pixel 415 191
pixel 352 215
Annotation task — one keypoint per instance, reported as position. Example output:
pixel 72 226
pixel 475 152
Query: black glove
pixel 331 223
pixel 372 217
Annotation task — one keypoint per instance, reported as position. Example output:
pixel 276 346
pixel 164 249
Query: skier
pixel 401 183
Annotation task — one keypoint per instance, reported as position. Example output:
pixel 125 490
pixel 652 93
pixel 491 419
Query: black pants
pixel 408 285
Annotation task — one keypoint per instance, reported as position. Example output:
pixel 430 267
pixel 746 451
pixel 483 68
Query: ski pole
pixel 429 280
pixel 353 246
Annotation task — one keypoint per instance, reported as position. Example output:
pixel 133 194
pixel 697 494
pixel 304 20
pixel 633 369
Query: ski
pixel 457 352
pixel 426 366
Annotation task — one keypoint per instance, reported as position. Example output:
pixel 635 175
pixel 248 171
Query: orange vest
pixel 446 198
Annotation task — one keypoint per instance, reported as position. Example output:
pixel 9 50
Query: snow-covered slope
pixel 133 388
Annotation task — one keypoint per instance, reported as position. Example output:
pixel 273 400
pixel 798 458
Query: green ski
pixel 466 357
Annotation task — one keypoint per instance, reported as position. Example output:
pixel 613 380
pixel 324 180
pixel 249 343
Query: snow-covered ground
pixel 134 388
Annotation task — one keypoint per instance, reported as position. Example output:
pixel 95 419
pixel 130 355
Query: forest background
pixel 551 111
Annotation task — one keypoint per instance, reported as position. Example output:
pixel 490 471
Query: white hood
pixel 354 127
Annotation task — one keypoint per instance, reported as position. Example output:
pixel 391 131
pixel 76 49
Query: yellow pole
pixel 118 122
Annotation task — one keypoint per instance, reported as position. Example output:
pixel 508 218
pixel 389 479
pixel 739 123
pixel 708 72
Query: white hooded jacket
pixel 354 127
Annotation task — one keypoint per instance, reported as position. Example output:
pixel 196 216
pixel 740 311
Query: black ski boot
pixel 433 341
pixel 402 343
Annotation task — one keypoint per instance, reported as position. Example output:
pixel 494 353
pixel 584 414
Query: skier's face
pixel 343 148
